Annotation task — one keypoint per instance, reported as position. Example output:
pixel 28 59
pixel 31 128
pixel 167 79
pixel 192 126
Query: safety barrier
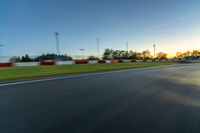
pixel 26 64
pixel 93 62
pixel 64 62
pixel 81 61
pixel 114 61
pixel 139 60
pixel 101 61
pixel 47 63
pixel 51 62
pixel 126 61
pixel 108 61
pixel 6 64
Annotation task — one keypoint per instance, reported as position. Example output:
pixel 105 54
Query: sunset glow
pixel 142 23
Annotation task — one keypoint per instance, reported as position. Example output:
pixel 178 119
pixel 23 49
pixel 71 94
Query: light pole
pixel 154 50
pixel 127 46
pixel 98 51
pixel 1 45
pixel 57 43
pixel 81 49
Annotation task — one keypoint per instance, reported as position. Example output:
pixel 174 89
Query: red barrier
pixel 81 62
pixel 114 61
pixel 47 63
pixel 101 61
pixel 120 61
pixel 5 64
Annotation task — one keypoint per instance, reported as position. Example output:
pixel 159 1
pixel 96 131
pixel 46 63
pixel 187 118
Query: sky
pixel 28 26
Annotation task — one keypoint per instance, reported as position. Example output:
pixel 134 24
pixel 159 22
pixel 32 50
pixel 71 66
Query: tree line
pixel 108 54
pixel 42 57
pixel 144 55
pixel 187 53
pixel 132 55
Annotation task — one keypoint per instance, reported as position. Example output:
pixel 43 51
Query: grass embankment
pixel 15 73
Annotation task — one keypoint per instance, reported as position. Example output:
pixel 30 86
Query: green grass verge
pixel 15 73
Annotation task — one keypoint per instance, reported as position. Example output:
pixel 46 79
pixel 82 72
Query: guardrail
pixel 51 62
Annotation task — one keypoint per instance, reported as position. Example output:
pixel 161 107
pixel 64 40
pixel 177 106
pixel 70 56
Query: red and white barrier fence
pixel 81 62
pixel 101 62
pixel 6 64
pixel 51 62
pixel 47 63
pixel 93 62
pixel 27 64
pixel 64 62
pixel 127 61
pixel 108 61
pixel 148 60
pixel 139 60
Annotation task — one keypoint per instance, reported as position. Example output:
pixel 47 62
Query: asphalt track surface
pixel 155 100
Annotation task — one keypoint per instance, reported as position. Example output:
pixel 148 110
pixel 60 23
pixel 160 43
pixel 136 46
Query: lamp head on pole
pixel 56 33
pixel 82 49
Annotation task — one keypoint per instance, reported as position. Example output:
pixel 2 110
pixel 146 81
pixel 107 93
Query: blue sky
pixel 28 26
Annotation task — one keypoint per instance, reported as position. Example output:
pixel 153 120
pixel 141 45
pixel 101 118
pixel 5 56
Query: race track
pixel 154 100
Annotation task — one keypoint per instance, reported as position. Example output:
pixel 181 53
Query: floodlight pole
pixel 82 50
pixel 154 48
pixel 1 45
pixel 57 43
pixel 98 51
pixel 127 46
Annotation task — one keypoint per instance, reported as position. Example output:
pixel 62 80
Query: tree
pixel 179 55
pixel 15 59
pixel 124 55
pixel 146 55
pixel 93 58
pixel 195 53
pixel 42 57
pixel 53 57
pixel 188 53
pixel 26 58
pixel 161 55
pixel 134 55
pixel 108 54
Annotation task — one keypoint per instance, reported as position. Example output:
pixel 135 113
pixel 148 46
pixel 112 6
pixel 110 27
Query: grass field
pixel 15 73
